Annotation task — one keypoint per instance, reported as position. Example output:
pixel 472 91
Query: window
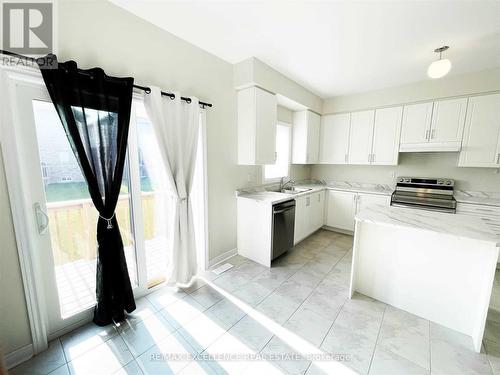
pixel 274 172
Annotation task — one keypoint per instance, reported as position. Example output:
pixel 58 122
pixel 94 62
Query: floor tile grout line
pixel 312 291
pixel 376 341
pixel 329 329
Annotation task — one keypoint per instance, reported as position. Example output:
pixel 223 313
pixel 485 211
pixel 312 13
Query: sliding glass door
pixel 65 219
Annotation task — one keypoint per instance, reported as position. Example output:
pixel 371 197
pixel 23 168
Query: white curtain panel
pixel 176 124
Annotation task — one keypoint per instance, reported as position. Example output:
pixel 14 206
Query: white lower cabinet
pixel 309 214
pixel 341 209
pixel 365 200
pixel 301 209
pixel 342 206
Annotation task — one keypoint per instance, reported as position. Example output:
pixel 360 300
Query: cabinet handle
pixel 427 134
pixel 498 159
pixel 373 158
pixel 345 158
pixel 433 133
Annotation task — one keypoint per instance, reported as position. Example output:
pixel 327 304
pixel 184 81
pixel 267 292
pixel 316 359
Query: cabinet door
pixel 481 142
pixel 341 207
pixel 266 120
pixel 299 138
pixel 416 123
pixel 313 129
pixel 300 211
pixel 386 134
pixel 448 120
pixel 319 213
pixel 334 145
pixel 366 200
pixel 361 137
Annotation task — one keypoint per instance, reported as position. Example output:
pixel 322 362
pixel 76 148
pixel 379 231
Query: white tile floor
pixel 257 320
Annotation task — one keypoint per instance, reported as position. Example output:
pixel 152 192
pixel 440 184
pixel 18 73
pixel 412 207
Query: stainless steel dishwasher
pixel 283 227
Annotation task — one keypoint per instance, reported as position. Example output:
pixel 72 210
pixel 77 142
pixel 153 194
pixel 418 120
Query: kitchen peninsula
pixel 438 266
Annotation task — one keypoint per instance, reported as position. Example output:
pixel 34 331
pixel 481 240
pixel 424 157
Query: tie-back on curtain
pixel 95 112
pixel 176 125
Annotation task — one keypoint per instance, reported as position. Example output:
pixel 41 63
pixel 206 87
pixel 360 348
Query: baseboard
pixel 18 356
pixel 222 258
pixel 338 230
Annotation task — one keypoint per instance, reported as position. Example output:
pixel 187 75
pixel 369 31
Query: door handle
pixel 42 220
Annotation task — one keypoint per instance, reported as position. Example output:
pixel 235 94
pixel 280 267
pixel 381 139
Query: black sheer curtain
pixel 95 112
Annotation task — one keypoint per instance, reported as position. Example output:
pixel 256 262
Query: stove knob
pixel 400 180
pixel 448 182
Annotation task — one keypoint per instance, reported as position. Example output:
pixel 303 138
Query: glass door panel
pixel 72 216
pixel 156 201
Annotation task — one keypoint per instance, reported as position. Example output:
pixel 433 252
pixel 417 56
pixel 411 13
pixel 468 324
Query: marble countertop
pixel 477 197
pixel 360 187
pixel 260 194
pixel 264 195
pixel 464 226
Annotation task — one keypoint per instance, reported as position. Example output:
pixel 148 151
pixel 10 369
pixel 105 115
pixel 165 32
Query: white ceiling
pixel 337 47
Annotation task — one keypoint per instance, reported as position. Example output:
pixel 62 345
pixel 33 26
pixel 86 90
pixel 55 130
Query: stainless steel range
pixel 433 194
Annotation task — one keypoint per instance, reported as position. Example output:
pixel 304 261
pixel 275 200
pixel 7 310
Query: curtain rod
pixel 146 89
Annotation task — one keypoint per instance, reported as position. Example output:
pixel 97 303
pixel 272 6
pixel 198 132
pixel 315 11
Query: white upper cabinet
pixel 334 142
pixel 416 125
pixel 481 141
pixel 448 120
pixel 257 118
pixel 386 134
pixel 306 128
pixel 361 137
pixel 436 126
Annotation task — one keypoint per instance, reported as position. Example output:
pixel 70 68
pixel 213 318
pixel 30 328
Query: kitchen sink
pixel 295 190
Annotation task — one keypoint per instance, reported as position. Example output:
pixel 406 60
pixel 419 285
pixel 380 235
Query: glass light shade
pixel 439 68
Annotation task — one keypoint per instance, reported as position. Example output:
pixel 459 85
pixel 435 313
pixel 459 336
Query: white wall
pixel 252 71
pixel 416 164
pixel 484 81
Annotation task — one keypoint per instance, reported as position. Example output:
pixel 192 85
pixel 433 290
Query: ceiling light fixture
pixel 441 67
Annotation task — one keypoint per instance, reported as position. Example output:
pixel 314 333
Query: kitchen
pixel 309 187
pixel 450 135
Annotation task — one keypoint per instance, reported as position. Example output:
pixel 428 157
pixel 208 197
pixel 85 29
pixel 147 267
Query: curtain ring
pixel 110 225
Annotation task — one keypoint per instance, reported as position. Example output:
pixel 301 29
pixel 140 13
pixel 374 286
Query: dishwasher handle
pixel 283 206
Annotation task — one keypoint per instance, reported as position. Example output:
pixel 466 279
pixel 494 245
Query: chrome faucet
pixel 284 184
